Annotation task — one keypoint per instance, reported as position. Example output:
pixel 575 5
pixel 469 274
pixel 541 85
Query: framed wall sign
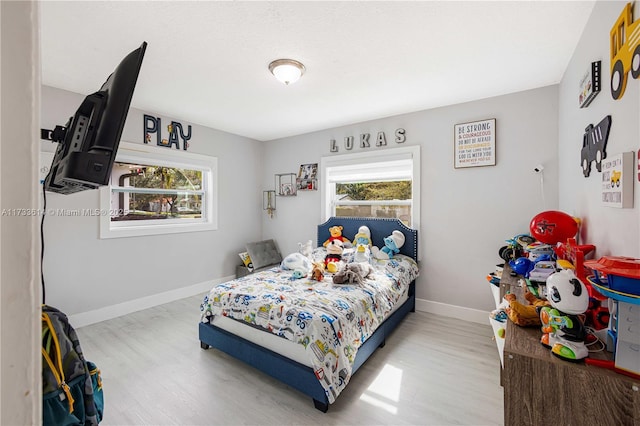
pixel 474 144
pixel 589 85
pixel 617 180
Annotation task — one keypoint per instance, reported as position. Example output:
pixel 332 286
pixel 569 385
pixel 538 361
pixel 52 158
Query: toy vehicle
pixel 594 143
pixel 615 178
pixel 515 247
pixel 625 51
pixel 537 249
pixel 542 270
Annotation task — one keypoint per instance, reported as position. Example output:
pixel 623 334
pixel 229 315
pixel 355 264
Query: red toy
pixel 575 254
pixel 552 227
pixel 621 273
pixel 597 315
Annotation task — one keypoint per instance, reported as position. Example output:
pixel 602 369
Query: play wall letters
pixel 175 133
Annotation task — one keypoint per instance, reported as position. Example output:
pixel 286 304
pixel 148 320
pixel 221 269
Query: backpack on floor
pixel 71 386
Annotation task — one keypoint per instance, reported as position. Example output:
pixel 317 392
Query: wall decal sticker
pixel 594 145
pixel 624 40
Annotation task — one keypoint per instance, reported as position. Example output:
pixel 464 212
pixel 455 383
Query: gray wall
pixel 84 273
pixel 466 214
pixel 614 231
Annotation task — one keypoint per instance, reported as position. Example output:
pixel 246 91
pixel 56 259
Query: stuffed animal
pixel 524 315
pixel 306 248
pixel 362 254
pixel 334 255
pixel 353 273
pixel 317 272
pixel 298 263
pixel 363 237
pixel 336 234
pixel 392 245
pixel 362 243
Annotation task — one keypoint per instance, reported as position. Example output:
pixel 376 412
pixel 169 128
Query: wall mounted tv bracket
pixel 56 135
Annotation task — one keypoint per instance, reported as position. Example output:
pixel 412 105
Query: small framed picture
pixel 589 85
pixel 474 144
pixel 307 177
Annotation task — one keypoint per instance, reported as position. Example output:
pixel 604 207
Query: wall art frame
pixel 617 180
pixel 589 85
pixel 474 144
pixel 307 179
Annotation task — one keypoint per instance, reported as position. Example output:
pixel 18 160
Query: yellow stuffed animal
pixel 336 234
pixel 525 315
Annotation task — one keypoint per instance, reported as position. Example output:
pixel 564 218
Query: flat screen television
pixel 88 143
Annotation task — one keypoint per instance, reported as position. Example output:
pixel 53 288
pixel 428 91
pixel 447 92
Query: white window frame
pixel 361 159
pixel 153 155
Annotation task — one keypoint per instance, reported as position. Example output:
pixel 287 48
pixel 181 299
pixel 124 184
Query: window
pixel 373 184
pixel 158 192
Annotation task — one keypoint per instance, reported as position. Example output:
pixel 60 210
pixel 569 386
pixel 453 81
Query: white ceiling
pixel 206 62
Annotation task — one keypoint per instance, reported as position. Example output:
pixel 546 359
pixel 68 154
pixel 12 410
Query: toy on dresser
pixel 524 315
pixel 563 329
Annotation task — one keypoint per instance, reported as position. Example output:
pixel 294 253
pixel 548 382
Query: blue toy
pixel 392 245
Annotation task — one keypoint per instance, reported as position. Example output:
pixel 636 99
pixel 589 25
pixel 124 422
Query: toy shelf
pixel 540 388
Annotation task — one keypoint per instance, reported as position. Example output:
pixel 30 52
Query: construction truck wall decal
pixel 594 145
pixel 625 51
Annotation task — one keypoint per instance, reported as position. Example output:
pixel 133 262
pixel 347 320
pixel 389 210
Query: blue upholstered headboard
pixel 379 227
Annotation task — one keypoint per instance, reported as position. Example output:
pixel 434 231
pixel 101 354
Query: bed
pixel 313 335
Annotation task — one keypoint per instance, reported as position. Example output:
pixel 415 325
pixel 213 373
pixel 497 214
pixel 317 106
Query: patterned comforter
pixel 330 320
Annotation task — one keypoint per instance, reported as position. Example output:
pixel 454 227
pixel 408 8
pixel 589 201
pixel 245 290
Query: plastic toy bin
pixel 621 274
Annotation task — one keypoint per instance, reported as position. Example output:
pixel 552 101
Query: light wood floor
pixel 432 371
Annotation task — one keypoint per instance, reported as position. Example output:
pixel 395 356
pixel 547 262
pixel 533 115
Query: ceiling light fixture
pixel 287 71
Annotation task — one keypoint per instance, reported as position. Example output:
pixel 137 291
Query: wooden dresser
pixel 541 389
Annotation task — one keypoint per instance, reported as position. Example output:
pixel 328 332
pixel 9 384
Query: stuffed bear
pixel 392 245
pixel 353 273
pixel 336 234
pixel 334 255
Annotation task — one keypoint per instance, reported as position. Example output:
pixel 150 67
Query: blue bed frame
pixel 298 375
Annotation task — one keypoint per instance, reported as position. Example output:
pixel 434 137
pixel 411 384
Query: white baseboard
pixel 460 312
pixel 108 312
